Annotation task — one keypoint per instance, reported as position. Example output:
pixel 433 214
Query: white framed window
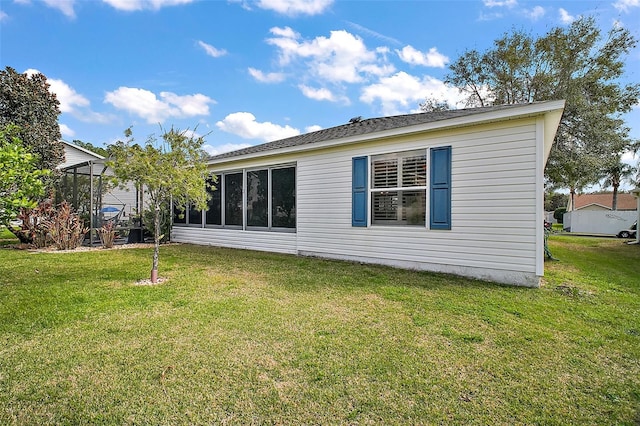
pixel 399 188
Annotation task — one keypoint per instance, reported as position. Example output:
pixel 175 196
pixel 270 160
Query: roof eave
pixel 553 109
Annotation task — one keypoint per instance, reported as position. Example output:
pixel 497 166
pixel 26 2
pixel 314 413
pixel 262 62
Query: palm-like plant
pixel 614 175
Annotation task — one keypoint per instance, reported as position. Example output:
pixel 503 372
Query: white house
pixel 456 191
pixel 80 161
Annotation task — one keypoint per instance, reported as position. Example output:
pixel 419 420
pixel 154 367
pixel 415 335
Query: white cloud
pixel 313 128
pixel 212 51
pixel 221 149
pixel 145 104
pixel 133 5
pixel 72 102
pixel 535 13
pixel 500 3
pixel 340 58
pixel 625 5
pixel 64 6
pixel 432 58
pixel 398 93
pixel 244 124
pixel 66 131
pixel 295 7
pixel 68 97
pixel 271 77
pixel 3 16
pixel 321 94
pixel 565 17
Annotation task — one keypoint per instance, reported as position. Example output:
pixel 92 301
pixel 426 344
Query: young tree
pixel 575 63
pixel 25 100
pixel 20 178
pixel 174 169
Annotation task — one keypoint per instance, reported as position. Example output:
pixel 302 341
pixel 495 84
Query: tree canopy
pixel 20 177
pixel 577 63
pixel 173 169
pixel 25 100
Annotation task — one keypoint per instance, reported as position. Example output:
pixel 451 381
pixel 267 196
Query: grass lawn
pixel 6 237
pixel 240 337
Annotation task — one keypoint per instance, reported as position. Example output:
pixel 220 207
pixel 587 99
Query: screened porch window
pixel 233 199
pixel 213 215
pixel 262 199
pixel 399 188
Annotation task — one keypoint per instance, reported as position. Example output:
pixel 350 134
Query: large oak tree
pixel 579 64
pixel 25 101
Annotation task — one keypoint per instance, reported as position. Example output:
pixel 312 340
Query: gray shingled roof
pixel 362 127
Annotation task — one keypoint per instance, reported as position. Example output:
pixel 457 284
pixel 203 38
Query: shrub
pixel 107 234
pixel 45 225
pixel 559 213
pixel 66 228
pixel 33 230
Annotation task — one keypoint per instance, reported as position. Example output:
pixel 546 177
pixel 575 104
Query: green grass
pixel 6 237
pixel 240 337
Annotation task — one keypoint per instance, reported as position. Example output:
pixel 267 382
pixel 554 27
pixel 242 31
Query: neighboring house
pixel 457 191
pixel 602 202
pixel 79 164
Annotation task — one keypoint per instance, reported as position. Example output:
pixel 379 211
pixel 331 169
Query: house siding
pixel 278 242
pixel 493 231
pixel 74 156
pixel 494 208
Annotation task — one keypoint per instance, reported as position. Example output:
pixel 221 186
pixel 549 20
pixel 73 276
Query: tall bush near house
pixel 66 228
pixel 20 179
pixel 45 225
pixel 558 214
pixel 34 230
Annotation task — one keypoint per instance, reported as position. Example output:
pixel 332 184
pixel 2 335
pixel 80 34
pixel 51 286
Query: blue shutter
pixel 359 191
pixel 440 188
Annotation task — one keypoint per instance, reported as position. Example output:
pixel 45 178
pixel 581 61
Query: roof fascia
pixel 79 148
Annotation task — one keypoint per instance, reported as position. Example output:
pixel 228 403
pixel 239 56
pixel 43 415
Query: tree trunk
pixel 156 242
pixel 572 194
pixel 614 202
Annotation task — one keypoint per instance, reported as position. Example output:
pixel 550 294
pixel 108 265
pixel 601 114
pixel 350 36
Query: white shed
pixel 457 191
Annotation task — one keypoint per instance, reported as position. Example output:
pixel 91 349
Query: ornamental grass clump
pixel 47 225
pixel 107 234
pixel 66 228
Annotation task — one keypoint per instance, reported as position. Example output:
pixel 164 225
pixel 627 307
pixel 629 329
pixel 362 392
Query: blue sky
pixel 244 72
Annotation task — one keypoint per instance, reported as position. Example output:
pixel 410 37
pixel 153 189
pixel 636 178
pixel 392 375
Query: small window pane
pixel 385 206
pixel 233 199
pixel 283 201
pixel 195 215
pixel 214 206
pixel 179 215
pixel 414 171
pixel 385 173
pixel 257 198
pixel 413 207
pixel 399 207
